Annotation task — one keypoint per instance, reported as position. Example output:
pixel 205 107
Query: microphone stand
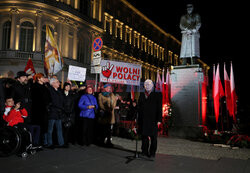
pixel 136 155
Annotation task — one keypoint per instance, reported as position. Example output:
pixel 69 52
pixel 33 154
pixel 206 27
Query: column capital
pixel 38 13
pixel 14 10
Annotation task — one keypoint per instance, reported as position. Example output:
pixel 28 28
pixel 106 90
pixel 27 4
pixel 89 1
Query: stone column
pixel 14 12
pixel 75 46
pixel 65 40
pixel 38 31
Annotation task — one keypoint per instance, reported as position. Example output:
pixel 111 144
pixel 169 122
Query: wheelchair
pixel 16 140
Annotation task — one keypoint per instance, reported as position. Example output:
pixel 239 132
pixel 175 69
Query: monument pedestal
pixel 186 86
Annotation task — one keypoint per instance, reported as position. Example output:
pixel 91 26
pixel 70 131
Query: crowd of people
pixel 78 114
pixel 57 115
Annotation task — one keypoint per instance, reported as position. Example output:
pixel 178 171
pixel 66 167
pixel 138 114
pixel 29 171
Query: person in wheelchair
pixel 14 114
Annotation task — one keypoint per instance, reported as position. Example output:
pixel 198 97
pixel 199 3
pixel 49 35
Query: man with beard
pixel 22 92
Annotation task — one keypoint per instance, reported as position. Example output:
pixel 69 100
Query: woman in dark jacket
pixel 87 105
pixel 69 114
pixel 40 101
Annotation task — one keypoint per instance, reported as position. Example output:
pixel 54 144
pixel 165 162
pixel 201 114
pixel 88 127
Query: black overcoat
pixel 56 109
pixel 150 113
pixel 40 101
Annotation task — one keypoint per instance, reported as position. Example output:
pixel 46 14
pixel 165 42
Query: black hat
pixel 20 74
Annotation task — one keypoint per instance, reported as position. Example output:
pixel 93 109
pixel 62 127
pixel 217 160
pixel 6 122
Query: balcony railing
pixel 15 54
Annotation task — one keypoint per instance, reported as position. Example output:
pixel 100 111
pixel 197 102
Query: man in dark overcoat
pixel 150 115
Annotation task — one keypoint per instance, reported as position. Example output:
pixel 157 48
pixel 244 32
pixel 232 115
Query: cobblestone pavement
pixel 184 147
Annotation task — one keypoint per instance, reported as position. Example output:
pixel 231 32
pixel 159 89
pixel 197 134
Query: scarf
pixel 105 94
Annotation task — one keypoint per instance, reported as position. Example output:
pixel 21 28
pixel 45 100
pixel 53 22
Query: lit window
pixel 6 35
pixel 26 37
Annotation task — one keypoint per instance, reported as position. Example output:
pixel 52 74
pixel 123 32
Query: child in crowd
pixel 14 114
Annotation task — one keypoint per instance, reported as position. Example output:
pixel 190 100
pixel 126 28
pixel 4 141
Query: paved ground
pixel 174 156
pixel 184 147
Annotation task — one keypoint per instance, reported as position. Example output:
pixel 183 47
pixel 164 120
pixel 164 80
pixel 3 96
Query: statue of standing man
pixel 190 24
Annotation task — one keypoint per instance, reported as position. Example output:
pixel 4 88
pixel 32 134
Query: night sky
pixel 223 32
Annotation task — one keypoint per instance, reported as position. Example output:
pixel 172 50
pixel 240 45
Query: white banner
pixel 120 73
pixel 76 73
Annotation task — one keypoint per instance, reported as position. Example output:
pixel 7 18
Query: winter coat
pixel 107 105
pixel 15 117
pixel 69 106
pixel 85 101
pixel 56 106
pixel 150 113
pixel 40 101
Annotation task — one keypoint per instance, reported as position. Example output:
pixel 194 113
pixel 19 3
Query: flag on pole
pixel 158 85
pixel 233 93
pixel 29 69
pixel 53 62
pixel 132 93
pixel 227 91
pixel 217 93
pixel 167 87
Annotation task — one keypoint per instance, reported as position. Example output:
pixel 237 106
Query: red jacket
pixel 16 116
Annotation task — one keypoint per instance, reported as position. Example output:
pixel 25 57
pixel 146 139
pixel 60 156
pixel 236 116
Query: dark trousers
pixel 146 149
pixel 88 131
pixel 35 132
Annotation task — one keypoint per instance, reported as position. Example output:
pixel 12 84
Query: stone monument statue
pixel 190 24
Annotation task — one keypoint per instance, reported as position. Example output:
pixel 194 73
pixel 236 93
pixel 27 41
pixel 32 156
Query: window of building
pixel 150 47
pixel 156 52
pixel 137 39
pixel 176 60
pixel 26 37
pixel 108 23
pixel 118 29
pixel 128 34
pixel 43 38
pixel 170 57
pixel 6 35
pixel 144 43
pixel 84 7
pixel 80 53
pixel 162 53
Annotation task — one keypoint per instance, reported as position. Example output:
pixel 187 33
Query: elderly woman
pixel 87 105
pixel 107 102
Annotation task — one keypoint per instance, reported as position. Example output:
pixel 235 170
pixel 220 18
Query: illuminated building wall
pixel 128 34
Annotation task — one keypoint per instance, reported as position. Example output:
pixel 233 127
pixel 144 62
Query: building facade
pixel 128 35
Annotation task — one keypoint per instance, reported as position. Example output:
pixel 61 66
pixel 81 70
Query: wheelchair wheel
pixel 10 141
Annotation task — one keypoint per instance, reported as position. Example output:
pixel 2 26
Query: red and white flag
pixel 132 93
pixel 167 87
pixel 217 93
pixel 227 91
pixel 233 93
pixel 158 85
pixel 29 69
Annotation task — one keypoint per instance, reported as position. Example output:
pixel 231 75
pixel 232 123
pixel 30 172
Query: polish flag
pixel 217 93
pixel 158 82
pixel 227 91
pixel 167 87
pixel 132 93
pixel 163 89
pixel 29 68
pixel 213 78
pixel 233 93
